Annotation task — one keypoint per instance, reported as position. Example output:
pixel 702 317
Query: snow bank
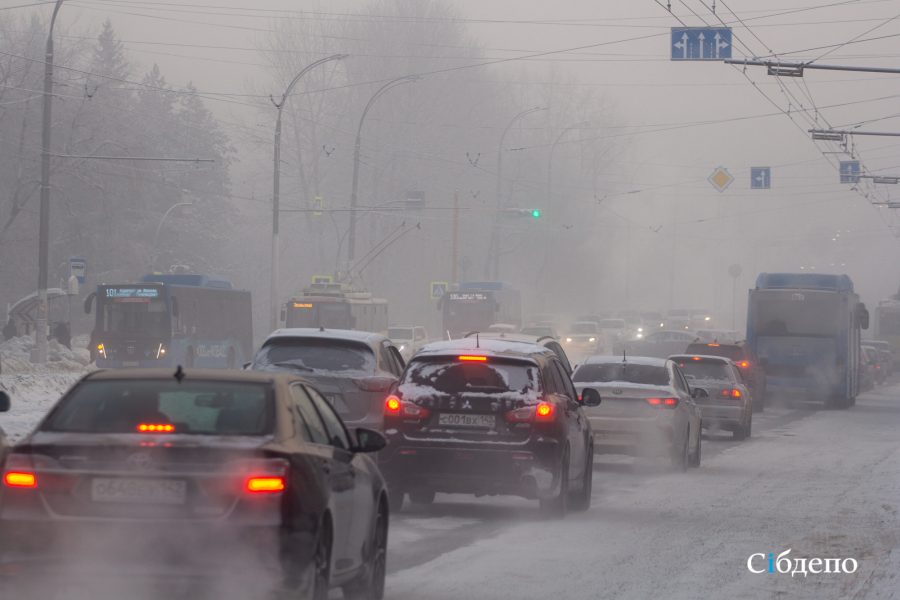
pixel 15 356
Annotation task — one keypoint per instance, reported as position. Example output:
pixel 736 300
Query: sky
pixel 677 122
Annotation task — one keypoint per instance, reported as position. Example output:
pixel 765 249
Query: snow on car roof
pixel 634 360
pixel 486 345
pixel 704 357
pixel 331 334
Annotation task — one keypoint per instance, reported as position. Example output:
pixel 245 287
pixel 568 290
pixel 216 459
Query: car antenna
pixel 477 340
pixel 179 374
pixel 624 357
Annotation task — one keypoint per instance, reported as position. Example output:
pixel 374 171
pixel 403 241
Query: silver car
pixel 648 408
pixel 729 405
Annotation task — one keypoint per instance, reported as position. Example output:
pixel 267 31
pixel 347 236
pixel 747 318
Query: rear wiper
pixel 293 365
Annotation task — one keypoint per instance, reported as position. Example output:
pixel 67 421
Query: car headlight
pixel 402 347
pixel 592 339
pixel 569 340
pixel 160 352
pixel 640 336
pixel 101 350
pixel 640 330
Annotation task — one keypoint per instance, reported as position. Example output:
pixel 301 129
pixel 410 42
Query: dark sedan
pixel 234 481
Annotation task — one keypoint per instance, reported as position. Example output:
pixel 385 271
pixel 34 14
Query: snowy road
pixel 825 484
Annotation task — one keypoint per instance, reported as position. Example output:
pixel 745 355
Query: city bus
pixel 336 306
pixel 475 306
pixel 804 330
pixel 171 319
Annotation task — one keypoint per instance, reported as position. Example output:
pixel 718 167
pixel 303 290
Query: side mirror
pixel 368 441
pixel 4 401
pixel 283 315
pixel 174 307
pixel 699 394
pixel 590 397
pixel 863 316
pixel 89 303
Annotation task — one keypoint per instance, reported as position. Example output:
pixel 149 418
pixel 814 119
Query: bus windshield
pixel 134 311
pixel 468 311
pixel 798 314
pixel 333 315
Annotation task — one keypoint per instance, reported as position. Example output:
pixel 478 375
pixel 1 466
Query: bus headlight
pixel 593 339
pixel 101 350
pixel 160 352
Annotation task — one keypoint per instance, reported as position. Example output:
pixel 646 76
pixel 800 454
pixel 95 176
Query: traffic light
pixel 536 213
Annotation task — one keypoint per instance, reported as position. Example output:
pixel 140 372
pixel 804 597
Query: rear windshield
pixel 316 354
pixel 584 328
pixel 623 372
pixel 400 333
pixel 705 369
pixel 191 407
pixel 453 377
pixel 735 353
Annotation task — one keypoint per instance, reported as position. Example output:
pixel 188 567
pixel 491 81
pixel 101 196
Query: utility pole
pixel 276 187
pixel 351 241
pixel 492 267
pixel 41 330
pixel 454 252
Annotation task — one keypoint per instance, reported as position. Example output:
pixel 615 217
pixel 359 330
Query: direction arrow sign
pixel 721 179
pixel 849 171
pixel 701 43
pixel 760 178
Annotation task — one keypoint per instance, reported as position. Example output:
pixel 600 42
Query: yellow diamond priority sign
pixel 721 179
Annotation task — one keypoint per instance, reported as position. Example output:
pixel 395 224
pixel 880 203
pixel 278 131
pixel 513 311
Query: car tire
pixel 680 459
pixel 423 497
pixel 395 498
pixel 581 500
pixel 740 432
pixel 370 585
pixel 321 566
pixel 697 454
pixel 558 505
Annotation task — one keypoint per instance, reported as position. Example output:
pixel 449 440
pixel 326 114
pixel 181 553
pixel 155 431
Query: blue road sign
pixel 701 43
pixel 760 178
pixel 849 171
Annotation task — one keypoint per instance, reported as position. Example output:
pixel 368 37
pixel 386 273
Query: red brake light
pixel 265 485
pixel 696 358
pixel 156 428
pixel 468 358
pixel 392 405
pixel 542 412
pixel 20 479
pixel 663 402
pixel 713 345
pixel 733 393
pixel 744 364
pixel 395 407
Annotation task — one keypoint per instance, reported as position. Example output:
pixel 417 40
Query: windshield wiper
pixel 293 365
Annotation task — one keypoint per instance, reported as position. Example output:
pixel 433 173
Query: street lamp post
pixel 159 228
pixel 351 241
pixel 492 268
pixel 276 187
pixel 41 329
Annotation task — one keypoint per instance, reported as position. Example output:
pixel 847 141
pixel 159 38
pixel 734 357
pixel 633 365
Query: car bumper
pixel 636 437
pixel 530 470
pixel 724 417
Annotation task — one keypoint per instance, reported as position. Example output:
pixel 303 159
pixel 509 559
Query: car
pixel 660 344
pixel 648 408
pixel 876 361
pixel 408 339
pixel 583 338
pixel 868 360
pixel 729 404
pixel 547 342
pixel 353 369
pixel 752 371
pixel 539 330
pixel 150 474
pixel 489 416
pixel 885 353
pixel 502 328
pixel 721 336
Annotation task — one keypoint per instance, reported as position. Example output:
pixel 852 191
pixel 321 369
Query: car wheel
pixel 557 506
pixel 680 458
pixel 740 432
pixel 395 498
pixel 424 497
pixel 581 501
pixel 370 586
pixel 321 566
pixel 696 455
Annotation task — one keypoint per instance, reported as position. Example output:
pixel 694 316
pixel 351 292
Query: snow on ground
pixel 34 388
pixel 827 486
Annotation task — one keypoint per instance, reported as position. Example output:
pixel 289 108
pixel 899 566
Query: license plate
pixel 139 491
pixel 458 420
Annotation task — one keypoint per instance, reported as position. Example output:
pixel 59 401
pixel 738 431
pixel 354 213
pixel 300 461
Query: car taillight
pixel 395 407
pixel 19 472
pixel 744 364
pixel 256 476
pixel 734 393
pixel 156 428
pixel 265 485
pixel 663 402
pixel 542 412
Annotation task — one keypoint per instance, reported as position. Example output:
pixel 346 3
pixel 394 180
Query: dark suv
pixel 489 416
pixel 750 369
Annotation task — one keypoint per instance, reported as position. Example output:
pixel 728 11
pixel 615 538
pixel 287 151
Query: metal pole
pixel 41 330
pixel 351 241
pixel 454 253
pixel 733 303
pixel 492 267
pixel 276 187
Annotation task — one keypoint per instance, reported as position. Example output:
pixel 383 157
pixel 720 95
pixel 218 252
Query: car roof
pixel 365 337
pixel 157 374
pixel 705 357
pixel 718 344
pixel 631 360
pixel 521 338
pixel 488 346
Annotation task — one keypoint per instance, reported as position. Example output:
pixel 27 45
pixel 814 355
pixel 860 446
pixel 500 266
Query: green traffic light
pixel 536 213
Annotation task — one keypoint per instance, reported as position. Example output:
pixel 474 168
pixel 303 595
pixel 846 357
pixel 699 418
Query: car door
pixel 686 406
pixel 579 427
pixel 693 411
pixel 363 506
pixel 336 471
pixel 553 384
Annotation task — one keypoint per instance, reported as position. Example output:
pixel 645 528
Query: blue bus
pixel 171 319
pixel 804 330
pixel 477 305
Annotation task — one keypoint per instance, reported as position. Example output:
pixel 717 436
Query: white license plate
pixel 459 420
pixel 139 491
